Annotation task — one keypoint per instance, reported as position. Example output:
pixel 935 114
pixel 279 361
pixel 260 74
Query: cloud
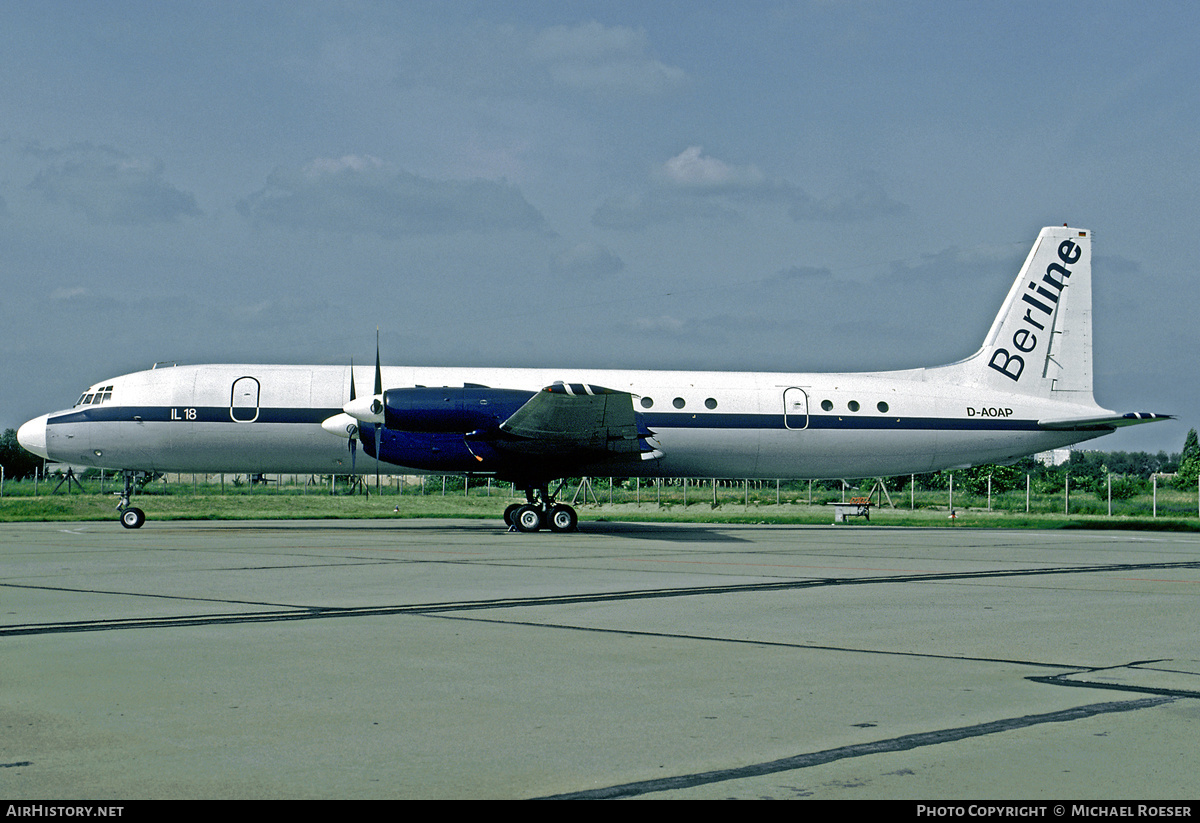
pixel 364 195
pixel 638 211
pixel 691 170
pixel 694 185
pixel 69 293
pixel 587 261
pixel 802 274
pixel 866 202
pixel 514 60
pixel 662 325
pixel 982 262
pixel 112 188
pixel 596 58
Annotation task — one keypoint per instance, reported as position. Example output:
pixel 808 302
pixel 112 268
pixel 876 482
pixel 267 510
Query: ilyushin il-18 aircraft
pixel 1028 389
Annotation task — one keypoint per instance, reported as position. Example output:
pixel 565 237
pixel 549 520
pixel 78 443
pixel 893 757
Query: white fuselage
pixel 267 418
pixel 1027 389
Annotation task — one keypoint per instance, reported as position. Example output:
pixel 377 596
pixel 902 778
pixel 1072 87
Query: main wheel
pixel 563 518
pixel 510 514
pixel 528 519
pixel 133 518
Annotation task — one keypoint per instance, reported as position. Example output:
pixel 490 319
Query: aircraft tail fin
pixel 1040 343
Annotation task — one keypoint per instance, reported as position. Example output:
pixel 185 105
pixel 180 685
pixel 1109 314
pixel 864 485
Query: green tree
pixel 17 462
pixel 975 479
pixel 1189 462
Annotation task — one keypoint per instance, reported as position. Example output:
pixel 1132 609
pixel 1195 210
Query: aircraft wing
pixel 576 418
pixel 1101 423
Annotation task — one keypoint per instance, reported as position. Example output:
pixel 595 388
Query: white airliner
pixel 1028 389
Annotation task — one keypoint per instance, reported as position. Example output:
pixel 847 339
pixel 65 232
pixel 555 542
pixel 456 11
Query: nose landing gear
pixel 131 516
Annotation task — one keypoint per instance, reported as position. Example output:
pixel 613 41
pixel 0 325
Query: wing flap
pixel 575 417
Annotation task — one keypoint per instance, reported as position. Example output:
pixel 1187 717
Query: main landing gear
pixel 540 511
pixel 131 516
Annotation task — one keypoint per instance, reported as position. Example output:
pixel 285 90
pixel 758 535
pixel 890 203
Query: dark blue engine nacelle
pixel 450 410
pixel 425 427
pixel 427 451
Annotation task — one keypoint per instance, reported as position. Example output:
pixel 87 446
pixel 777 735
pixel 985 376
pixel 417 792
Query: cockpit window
pixel 95 397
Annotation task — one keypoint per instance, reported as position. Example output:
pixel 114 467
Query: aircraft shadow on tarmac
pixel 677 532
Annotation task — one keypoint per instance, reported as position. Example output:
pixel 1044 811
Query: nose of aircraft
pixel 32 436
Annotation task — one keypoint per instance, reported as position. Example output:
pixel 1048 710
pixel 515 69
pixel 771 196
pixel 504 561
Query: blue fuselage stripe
pixel 655 420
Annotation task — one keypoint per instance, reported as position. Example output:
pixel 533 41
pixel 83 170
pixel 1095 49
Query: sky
pixel 818 185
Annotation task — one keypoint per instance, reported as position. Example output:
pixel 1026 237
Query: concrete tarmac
pixel 449 659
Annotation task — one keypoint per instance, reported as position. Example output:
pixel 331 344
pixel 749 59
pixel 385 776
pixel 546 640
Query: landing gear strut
pixel 131 516
pixel 540 511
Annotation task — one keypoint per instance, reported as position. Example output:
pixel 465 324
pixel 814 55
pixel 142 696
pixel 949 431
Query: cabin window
pixel 678 403
pixel 647 402
pixel 852 405
pixel 710 403
pixel 883 407
pixel 827 405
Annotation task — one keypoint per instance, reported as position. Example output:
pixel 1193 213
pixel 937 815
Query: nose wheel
pixel 131 516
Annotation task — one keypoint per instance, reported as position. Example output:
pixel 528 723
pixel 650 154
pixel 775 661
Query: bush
pixel 1123 488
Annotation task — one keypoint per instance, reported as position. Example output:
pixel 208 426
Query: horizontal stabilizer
pixel 1109 422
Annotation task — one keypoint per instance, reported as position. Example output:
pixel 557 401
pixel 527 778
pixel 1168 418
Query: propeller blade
pixel 369 409
pixel 346 425
pixel 378 445
pixel 354 439
pixel 378 370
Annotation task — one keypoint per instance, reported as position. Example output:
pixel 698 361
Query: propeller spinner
pixel 365 410
pixel 368 409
